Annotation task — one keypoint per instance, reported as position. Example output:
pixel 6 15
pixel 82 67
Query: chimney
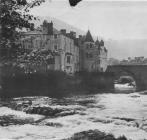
pixel 63 31
pixel 73 34
pixel 50 28
pixel 80 36
pixel 45 26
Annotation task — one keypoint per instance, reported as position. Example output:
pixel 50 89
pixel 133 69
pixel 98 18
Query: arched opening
pixel 125 82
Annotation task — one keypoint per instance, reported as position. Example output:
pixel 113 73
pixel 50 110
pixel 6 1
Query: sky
pixel 108 19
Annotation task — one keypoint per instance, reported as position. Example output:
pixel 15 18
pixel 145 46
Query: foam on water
pixel 5 111
pixel 119 114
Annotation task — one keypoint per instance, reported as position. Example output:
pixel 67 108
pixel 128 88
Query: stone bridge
pixel 138 72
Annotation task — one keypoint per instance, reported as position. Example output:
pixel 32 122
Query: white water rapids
pixel 119 114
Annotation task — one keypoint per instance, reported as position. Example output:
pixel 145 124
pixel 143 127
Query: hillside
pixel 120 49
pixel 58 24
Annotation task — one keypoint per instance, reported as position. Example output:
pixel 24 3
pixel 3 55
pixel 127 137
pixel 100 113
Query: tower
pixel 97 43
pixel 88 37
pixel 48 27
pixel 88 52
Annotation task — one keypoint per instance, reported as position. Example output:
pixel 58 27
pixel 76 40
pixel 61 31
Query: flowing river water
pixel 119 114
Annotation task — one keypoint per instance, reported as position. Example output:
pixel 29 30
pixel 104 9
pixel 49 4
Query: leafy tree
pixel 74 2
pixel 14 15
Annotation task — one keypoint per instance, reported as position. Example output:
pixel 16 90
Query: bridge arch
pixel 139 74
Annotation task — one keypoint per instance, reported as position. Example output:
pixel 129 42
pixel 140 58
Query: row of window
pixel 89 46
pixel 89 55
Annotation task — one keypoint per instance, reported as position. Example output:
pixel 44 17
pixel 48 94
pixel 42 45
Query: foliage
pixel 36 59
pixel 74 2
pixel 14 15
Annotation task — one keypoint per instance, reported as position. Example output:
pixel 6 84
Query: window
pixel 87 46
pixel 89 55
pixel 23 44
pixel 55 47
pixel 90 45
pixel 68 59
pixel 92 66
pixel 99 61
pixel 98 52
pixel 55 36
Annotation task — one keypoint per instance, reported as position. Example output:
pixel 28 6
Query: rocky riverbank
pixel 31 106
pixel 94 135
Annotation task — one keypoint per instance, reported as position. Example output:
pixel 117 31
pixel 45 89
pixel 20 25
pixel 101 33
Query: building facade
pixel 66 52
pixel 71 54
pixel 93 55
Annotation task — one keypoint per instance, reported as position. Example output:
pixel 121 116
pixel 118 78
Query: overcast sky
pixel 110 20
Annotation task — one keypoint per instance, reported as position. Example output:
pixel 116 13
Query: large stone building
pixel 66 52
pixel 71 54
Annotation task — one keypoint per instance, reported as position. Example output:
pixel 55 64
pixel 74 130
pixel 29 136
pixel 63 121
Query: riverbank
pixel 54 83
pixel 94 135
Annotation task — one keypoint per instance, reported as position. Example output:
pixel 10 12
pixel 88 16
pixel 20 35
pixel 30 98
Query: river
pixel 119 114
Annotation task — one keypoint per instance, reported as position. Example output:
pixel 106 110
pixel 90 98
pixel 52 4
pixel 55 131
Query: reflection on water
pixel 119 114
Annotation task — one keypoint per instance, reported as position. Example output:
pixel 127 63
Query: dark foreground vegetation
pixel 16 83
pixel 94 135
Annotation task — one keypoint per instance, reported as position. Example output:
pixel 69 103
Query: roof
pixel 101 43
pixel 36 32
pixel 55 31
pixel 32 33
pixel 105 50
pixel 97 42
pixel 88 37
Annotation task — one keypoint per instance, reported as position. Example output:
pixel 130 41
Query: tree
pixel 14 15
pixel 74 2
